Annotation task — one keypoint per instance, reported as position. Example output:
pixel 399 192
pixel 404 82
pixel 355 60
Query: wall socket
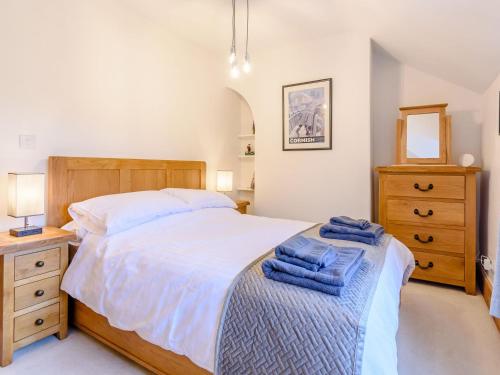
pixel 486 263
pixel 27 142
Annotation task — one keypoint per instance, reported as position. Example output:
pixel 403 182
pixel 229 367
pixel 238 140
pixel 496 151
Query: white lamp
pixel 26 197
pixel 224 181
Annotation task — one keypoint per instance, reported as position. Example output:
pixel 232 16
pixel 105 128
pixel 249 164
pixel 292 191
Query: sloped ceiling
pixel 457 40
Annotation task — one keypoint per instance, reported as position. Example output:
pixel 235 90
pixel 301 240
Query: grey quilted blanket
pixel 268 327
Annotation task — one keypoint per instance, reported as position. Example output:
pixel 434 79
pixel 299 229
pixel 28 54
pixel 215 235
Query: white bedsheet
pixel 167 280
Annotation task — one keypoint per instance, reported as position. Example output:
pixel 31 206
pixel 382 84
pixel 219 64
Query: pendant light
pixel 247 67
pixel 232 52
pixel 233 61
pixel 235 70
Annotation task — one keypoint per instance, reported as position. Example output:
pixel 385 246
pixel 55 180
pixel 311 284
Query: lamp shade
pixel 224 180
pixel 26 194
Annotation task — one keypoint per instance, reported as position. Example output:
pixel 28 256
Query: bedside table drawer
pixel 36 263
pixel 36 321
pixel 37 292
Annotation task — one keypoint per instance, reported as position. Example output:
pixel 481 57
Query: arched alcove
pixel 244 177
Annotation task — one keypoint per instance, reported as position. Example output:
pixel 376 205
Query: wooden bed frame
pixel 73 179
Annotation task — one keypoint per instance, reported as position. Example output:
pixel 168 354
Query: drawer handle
pixel 417 186
pixel 417 212
pixel 40 263
pixel 429 265
pixel 429 239
pixel 38 322
pixel 39 292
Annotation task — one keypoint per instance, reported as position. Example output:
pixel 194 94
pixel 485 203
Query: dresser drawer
pixel 36 321
pixel 438 266
pixel 425 186
pixel 36 263
pixel 439 239
pixel 426 212
pixel 37 292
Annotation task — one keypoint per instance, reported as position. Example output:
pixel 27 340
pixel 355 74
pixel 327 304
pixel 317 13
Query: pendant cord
pixel 233 45
pixel 246 43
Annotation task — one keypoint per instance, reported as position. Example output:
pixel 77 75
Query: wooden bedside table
pixel 242 206
pixel 33 306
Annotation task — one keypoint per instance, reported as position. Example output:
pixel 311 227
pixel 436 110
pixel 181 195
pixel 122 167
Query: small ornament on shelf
pixel 249 150
pixel 253 127
pixel 252 184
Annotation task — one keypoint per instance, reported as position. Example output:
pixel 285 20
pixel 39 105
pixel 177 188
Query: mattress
pixel 167 280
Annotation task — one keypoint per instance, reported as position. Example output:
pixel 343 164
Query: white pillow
pixel 198 199
pixel 72 226
pixel 114 213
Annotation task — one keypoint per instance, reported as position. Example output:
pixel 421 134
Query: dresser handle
pixel 39 292
pixel 40 263
pixel 417 212
pixel 429 265
pixel 38 322
pixel 429 239
pixel 417 186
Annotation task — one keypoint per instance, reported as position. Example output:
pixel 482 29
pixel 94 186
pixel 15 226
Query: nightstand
pixel 33 306
pixel 242 206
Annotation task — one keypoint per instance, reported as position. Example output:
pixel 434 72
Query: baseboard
pixel 487 290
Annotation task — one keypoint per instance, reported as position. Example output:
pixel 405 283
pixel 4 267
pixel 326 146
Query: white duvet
pixel 167 280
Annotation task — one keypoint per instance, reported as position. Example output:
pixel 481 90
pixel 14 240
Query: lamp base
pixel 25 231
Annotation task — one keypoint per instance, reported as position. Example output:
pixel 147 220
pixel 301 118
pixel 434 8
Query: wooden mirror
pixel 423 135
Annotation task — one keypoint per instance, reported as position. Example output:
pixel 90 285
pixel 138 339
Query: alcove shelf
pixel 245 139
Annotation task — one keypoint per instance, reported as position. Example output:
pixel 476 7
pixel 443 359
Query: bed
pixel 182 290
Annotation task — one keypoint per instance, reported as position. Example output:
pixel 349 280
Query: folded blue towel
pixel 349 237
pixel 373 231
pixel 350 222
pixel 306 252
pixel 370 236
pixel 329 279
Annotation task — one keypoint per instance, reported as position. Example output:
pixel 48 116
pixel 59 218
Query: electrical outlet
pixel 486 263
pixel 27 141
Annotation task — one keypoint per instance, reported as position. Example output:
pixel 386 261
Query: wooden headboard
pixel 73 179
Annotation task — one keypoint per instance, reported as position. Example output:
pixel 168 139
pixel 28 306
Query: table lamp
pixel 26 197
pixel 224 181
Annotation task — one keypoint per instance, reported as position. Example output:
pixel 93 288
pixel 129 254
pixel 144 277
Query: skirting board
pixel 487 289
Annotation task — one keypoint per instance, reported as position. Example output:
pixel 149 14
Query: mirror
pixel 422 136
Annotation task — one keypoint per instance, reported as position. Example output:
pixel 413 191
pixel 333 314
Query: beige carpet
pixel 442 331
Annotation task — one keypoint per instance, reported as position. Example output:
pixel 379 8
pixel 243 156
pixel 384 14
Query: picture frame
pixel 307 115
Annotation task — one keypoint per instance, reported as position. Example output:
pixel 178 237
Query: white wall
pixel 490 207
pixel 418 88
pixel 313 185
pixel 91 78
pixel 385 99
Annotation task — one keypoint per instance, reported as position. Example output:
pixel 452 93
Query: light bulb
pixel 247 67
pixel 232 55
pixel 235 71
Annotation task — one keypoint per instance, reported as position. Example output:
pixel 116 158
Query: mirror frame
pixel 444 134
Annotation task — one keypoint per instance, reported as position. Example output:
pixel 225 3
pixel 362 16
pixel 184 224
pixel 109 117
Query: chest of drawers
pixel 33 306
pixel 432 210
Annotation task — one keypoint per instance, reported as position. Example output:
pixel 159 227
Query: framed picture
pixel 307 116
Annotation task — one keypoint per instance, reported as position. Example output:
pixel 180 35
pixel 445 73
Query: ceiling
pixel 457 40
